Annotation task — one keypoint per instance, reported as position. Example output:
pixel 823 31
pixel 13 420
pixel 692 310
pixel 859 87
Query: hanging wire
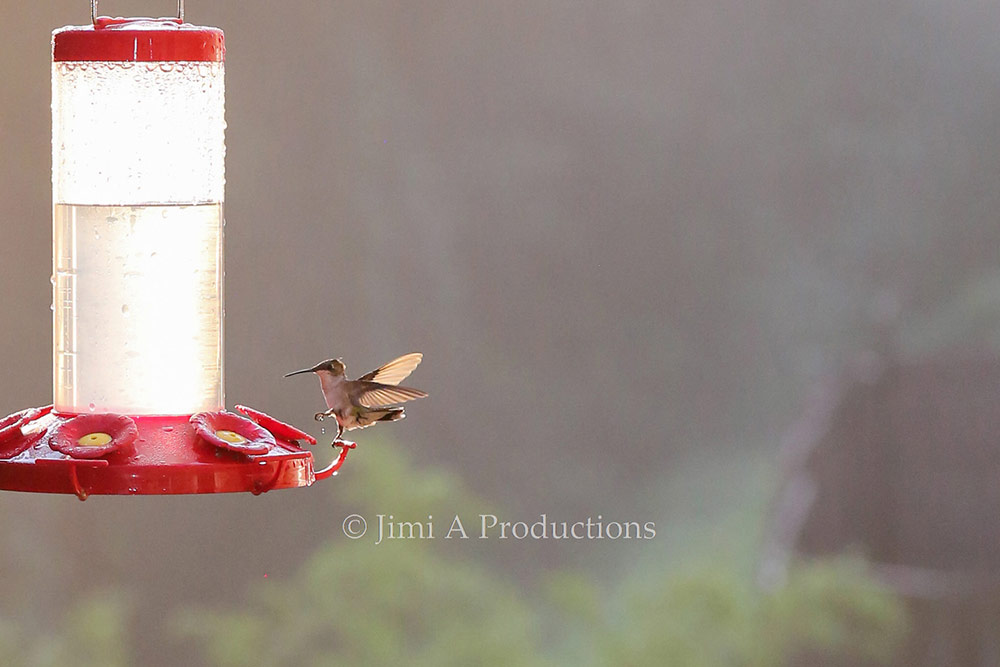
pixel 93 11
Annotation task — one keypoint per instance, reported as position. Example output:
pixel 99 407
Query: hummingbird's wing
pixel 395 371
pixel 378 395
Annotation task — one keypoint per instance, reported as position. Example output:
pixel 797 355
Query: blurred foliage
pixel 712 617
pixel 93 633
pixel 421 602
pixel 354 603
pixel 357 605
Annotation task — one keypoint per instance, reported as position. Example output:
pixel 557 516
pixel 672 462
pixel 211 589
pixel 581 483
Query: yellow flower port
pixel 94 440
pixel 230 436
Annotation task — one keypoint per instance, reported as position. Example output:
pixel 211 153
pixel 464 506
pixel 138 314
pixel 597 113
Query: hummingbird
pixel 369 399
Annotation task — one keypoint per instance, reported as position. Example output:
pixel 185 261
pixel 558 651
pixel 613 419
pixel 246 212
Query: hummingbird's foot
pixel 344 444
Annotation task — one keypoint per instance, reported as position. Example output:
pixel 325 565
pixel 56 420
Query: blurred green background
pixel 628 236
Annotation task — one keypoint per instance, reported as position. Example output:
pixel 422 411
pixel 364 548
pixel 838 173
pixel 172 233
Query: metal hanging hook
pixel 93 11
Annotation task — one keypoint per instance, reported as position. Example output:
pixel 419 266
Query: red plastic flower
pixel 228 431
pixel 10 426
pixel 13 440
pixel 93 436
pixel 278 428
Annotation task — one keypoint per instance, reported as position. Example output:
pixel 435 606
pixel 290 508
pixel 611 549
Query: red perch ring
pixel 228 431
pixel 93 436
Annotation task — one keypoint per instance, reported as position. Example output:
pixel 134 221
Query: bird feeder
pixel 138 175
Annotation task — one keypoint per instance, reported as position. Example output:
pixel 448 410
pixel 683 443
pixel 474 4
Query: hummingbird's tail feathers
pixel 387 415
pixel 395 371
pixel 376 395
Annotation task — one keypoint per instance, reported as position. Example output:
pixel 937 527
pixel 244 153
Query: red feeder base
pixel 163 455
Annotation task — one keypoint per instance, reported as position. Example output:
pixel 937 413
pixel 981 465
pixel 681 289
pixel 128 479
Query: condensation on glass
pixel 138 159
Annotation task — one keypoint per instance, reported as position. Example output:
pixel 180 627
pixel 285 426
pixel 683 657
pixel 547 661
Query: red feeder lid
pixel 138 40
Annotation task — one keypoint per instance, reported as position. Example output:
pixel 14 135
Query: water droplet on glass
pixel 52 307
pixel 97 234
pixel 168 429
pixel 125 309
pixel 92 407
pixel 322 431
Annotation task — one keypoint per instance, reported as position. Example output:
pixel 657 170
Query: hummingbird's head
pixel 335 366
pixel 332 366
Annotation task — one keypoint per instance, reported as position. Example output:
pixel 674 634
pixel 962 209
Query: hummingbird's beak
pixel 304 370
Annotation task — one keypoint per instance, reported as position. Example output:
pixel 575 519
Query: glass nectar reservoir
pixel 138 174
